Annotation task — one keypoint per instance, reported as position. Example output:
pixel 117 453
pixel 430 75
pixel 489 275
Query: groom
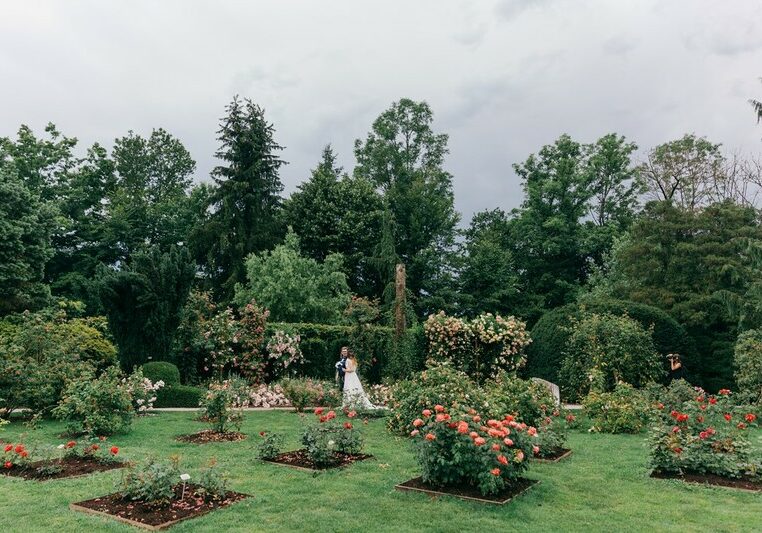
pixel 340 367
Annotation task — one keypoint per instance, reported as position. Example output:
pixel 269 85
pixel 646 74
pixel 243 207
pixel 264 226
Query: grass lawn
pixel 604 486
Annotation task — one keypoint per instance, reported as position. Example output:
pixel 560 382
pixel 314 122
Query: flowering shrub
pixel 704 435
pixel 270 445
pixel 625 410
pixel 100 406
pixel 15 456
pixel 96 449
pixel 481 347
pixel 151 482
pixel 267 396
pixel 379 394
pixel 328 436
pixel 457 446
pixel 221 408
pixel 307 392
pixel 440 384
pixel 142 391
pixel 284 352
pixel 213 482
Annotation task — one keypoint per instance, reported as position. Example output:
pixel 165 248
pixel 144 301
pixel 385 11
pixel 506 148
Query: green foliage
pixel 213 482
pixel 335 214
pixel 270 445
pixel 96 406
pixel 151 482
pixel 162 371
pixel 702 436
pixel 190 346
pixel 748 364
pixel 295 288
pixel 308 392
pixel 179 396
pixel 604 350
pixel 26 223
pixel 457 448
pixel 623 410
pixel 221 407
pixel 404 158
pixel 326 438
pixel 438 385
pixel 244 204
pixel 144 302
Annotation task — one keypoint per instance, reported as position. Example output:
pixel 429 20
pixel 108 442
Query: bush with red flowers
pixel 459 447
pixel 704 435
pixel 15 456
pixel 327 437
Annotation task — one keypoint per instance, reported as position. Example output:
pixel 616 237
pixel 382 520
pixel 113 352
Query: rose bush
pixel 705 435
pixel 142 391
pixel 624 410
pixel 327 437
pixel 221 407
pixel 308 392
pixel 457 446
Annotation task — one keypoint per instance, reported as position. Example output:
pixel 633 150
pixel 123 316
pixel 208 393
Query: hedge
pixel 550 334
pixel 162 370
pixel 179 396
pixel 378 354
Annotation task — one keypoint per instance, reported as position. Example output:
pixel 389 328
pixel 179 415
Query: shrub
pixel 16 456
pixel 306 392
pixel 748 365
pixel 704 436
pixel 152 482
pixel 270 445
pixel 485 345
pixel 671 397
pixel 325 438
pixel 213 482
pixel 219 408
pixel 267 396
pixel 179 396
pixel 457 447
pixel 550 334
pixel 604 350
pixel 440 384
pixel 142 391
pixel 624 410
pixel 96 449
pixel 100 406
pixel 284 353
pixel 162 371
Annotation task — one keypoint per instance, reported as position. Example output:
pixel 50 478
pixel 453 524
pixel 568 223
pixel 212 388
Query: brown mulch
pixel 300 459
pixel 713 479
pixel 141 513
pixel 207 436
pixel 555 455
pixel 468 492
pixel 70 467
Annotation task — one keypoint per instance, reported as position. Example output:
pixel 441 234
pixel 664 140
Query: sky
pixel 502 77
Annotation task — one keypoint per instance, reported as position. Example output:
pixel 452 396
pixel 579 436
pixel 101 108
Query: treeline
pixel 130 231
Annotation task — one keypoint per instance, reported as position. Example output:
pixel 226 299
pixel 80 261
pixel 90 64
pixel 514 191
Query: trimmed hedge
pixel 374 346
pixel 550 336
pixel 162 370
pixel 179 396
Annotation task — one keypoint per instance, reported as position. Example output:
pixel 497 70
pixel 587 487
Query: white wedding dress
pixel 354 394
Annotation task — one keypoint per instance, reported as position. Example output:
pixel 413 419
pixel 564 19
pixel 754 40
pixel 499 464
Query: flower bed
pixel 704 439
pixel 302 459
pixel 145 515
pixel 520 486
pixel 68 460
pixel 208 435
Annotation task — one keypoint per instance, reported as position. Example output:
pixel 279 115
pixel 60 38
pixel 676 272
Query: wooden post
pixel 399 301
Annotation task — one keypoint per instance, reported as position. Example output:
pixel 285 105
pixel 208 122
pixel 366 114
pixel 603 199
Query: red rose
pixel 495 447
pixel 427 412
pixel 703 435
pixel 8 464
pixel 462 428
pixel 682 417
pixel 674 414
pixel 677 450
pixel 751 417
pixel 319 411
pixel 114 450
pixel 727 416
pixel 532 431
pixel 439 408
pixel 430 436
pixel 19 448
pixel 477 419
pixel 262 433
pixel 331 415
pixel 508 442
pixel 417 422
pixel 323 419
pixel 24 454
pixel 724 392
pixel 347 425
pixel 440 417
pixel 8 448
pixel 479 441
pixel 502 459
pixel 741 425
pixel 509 418
pixel 700 399
pixel 95 447
pixel 71 444
pixel 473 434
pixel 570 418
pixel 495 471
pixel 351 414
pixel 712 400
pixel 535 450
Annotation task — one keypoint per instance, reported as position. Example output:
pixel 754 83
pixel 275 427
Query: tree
pixel 245 204
pixel 404 158
pixel 334 213
pixel 295 288
pixel 26 224
pixel 757 105
pixel 144 303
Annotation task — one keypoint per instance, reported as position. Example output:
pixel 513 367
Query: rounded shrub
pixel 179 396
pixel 162 371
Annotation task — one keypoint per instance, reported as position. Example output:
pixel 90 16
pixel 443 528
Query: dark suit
pixel 340 370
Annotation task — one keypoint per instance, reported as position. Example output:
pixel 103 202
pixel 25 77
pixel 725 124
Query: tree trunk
pixel 399 301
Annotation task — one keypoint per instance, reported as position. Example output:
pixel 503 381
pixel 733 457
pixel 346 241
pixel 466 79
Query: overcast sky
pixel 503 77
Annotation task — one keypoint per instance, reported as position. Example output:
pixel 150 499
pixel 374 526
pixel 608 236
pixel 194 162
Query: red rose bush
pixel 705 435
pixel 457 447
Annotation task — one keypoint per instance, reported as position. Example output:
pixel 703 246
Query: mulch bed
pixel 713 479
pixel 150 517
pixel 467 492
pixel 557 455
pixel 300 459
pixel 70 467
pixel 207 436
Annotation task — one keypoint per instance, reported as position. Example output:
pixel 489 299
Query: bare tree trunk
pixel 399 301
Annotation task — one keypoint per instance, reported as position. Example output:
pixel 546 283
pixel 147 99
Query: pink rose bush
pixel 456 446
pixel 704 435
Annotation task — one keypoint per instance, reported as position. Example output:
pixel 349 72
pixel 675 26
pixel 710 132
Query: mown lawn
pixel 603 487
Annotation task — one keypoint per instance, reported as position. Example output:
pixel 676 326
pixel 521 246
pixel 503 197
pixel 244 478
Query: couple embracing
pixel 349 382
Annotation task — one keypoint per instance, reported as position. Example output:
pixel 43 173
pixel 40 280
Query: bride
pixel 354 394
